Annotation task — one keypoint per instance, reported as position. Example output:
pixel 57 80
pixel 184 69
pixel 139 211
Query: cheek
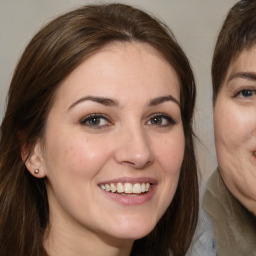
pixel 170 153
pixel 233 126
pixel 234 136
pixel 170 156
pixel 75 154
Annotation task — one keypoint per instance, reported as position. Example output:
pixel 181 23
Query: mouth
pixel 129 191
pixel 126 188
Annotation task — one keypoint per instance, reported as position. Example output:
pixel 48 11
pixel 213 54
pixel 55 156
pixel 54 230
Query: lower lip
pixel 131 199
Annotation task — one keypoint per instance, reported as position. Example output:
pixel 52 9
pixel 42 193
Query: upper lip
pixel 129 180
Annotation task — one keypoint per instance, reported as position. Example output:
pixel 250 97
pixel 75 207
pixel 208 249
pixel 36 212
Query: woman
pixel 230 198
pixel 96 153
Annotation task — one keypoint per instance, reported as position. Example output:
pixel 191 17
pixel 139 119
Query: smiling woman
pixel 97 144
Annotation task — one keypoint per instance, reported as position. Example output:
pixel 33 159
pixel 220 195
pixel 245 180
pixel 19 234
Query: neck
pixel 60 242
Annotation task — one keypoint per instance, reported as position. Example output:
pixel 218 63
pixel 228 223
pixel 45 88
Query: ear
pixel 32 156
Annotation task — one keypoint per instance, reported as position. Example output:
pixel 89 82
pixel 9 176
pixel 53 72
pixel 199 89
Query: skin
pixel 137 137
pixel 235 128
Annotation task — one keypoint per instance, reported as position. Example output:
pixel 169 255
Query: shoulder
pixel 216 195
pixel 203 242
pixel 234 226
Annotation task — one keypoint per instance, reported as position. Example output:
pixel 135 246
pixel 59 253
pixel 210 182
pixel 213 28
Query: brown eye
pixel 161 120
pixel 157 120
pixel 95 121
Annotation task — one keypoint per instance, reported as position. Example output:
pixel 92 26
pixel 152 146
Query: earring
pixel 36 171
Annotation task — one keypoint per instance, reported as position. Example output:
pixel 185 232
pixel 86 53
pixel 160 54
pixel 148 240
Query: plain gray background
pixel 195 24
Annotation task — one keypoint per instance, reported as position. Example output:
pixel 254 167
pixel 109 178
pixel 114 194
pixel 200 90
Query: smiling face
pixel 113 144
pixel 235 129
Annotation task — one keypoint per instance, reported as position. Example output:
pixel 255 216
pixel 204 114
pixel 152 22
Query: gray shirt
pixel 203 243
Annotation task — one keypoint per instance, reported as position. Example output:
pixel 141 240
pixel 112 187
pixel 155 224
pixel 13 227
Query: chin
pixel 134 230
pixel 251 207
pixel 133 235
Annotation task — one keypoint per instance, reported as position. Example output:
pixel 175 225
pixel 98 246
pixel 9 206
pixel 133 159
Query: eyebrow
pixel 101 100
pixel 114 103
pixel 163 99
pixel 244 75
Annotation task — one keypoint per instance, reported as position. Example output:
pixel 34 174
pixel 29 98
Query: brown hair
pixel 237 33
pixel 54 52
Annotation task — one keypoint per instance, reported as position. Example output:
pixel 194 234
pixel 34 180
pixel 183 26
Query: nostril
pixel 148 164
pixel 134 150
pixel 128 163
pixel 137 165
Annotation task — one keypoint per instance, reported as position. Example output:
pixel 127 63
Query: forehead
pixel 116 47
pixel 245 62
pixel 118 67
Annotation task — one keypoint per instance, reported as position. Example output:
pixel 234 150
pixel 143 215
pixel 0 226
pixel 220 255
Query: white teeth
pixel 143 187
pixel 136 188
pixel 112 187
pixel 120 187
pixel 102 186
pixel 107 187
pixel 127 188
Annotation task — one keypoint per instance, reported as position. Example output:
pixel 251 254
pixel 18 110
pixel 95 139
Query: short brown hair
pixel 237 33
pixel 54 52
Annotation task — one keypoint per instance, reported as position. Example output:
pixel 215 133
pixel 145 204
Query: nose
pixel 133 149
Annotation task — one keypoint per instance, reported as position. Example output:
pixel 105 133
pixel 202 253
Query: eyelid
pixel 238 92
pixel 169 118
pixel 83 120
pixel 237 86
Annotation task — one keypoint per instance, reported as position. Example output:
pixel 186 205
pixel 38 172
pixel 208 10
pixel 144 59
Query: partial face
pixel 114 144
pixel 235 129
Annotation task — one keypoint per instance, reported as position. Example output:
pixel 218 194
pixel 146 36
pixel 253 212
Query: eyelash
pixel 251 93
pixel 170 120
pixel 85 121
pixel 97 118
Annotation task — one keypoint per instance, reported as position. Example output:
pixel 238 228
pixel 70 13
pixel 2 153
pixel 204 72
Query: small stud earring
pixel 36 171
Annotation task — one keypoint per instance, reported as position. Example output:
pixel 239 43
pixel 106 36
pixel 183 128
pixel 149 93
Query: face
pixel 114 144
pixel 235 129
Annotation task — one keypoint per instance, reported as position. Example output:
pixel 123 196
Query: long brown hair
pixel 54 52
